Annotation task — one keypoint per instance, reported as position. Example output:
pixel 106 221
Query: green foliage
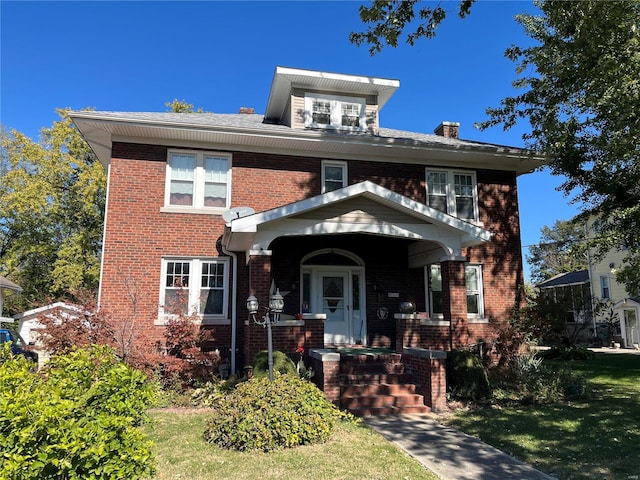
pixel 181 106
pixel 264 415
pixel 568 352
pixel 561 250
pixel 281 364
pixel 532 381
pixel 467 378
pixel 211 392
pixel 386 21
pixel 52 199
pixel 580 92
pixel 76 420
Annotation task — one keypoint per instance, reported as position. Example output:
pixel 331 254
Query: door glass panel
pixel 333 298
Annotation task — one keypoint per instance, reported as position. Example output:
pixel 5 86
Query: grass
pixel 588 440
pixel 354 452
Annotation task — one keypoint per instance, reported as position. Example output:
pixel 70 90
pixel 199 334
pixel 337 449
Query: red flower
pixel 300 349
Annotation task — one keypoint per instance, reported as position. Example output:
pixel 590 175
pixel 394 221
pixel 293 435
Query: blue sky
pixel 220 56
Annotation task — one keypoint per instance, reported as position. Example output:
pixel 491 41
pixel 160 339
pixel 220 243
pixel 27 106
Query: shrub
pixel 466 376
pixel 75 420
pixel 281 364
pixel 548 385
pixel 211 392
pixel 569 352
pixel 264 415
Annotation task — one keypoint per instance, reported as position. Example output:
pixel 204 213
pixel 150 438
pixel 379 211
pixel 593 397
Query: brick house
pixel 314 198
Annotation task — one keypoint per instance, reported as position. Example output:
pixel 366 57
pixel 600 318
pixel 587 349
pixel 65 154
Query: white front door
pixel 335 292
pixel 334 298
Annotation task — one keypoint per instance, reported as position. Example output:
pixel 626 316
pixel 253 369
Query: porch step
pixel 378 385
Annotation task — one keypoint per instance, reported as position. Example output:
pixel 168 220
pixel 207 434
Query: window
pixel 195 286
pixel 334 176
pixel 198 180
pixel 473 279
pixel 331 111
pixel 604 287
pixel 454 193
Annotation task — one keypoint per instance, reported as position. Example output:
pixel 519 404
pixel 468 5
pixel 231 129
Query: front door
pixel 632 329
pixel 334 299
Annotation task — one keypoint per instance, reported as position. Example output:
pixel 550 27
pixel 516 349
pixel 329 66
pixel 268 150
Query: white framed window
pixel 605 290
pixel 473 280
pixel 475 301
pixel 453 192
pixel 198 180
pixel 333 111
pixel 334 175
pixel 195 286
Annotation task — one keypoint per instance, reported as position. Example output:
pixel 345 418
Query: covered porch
pixel 344 261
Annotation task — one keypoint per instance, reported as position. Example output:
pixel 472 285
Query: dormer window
pixel 334 112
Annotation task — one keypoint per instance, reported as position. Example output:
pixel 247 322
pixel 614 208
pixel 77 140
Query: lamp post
pixel 270 317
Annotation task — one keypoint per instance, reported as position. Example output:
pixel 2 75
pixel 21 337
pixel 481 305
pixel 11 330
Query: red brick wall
pixel 138 235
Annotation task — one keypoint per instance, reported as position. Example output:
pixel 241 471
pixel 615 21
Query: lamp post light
pixel 270 317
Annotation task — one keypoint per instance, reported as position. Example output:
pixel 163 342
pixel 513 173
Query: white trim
pixel 335 111
pixel 194 287
pixel 450 193
pixel 199 182
pixel 471 317
pixel 334 163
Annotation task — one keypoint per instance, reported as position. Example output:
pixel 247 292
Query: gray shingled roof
pixel 563 279
pixel 256 122
pixel 9 285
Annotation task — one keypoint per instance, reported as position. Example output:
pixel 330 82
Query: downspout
pixel 234 306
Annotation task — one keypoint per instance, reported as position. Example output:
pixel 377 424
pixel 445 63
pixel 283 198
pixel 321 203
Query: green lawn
pixel 354 452
pixel 596 439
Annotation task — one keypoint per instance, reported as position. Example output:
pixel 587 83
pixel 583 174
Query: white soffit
pixel 284 79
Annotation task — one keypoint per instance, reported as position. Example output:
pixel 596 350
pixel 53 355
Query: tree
pixel 580 94
pixel 387 20
pixel 181 106
pixel 561 250
pixel 52 199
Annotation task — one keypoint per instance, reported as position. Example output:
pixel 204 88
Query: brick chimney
pixel 247 110
pixel 448 129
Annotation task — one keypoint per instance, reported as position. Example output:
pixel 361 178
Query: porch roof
pixel 361 208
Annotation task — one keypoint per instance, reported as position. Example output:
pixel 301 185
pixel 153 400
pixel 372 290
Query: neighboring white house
pixel 29 324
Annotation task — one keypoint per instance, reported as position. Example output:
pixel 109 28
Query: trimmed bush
pixel 466 376
pixel 569 352
pixel 76 420
pixel 264 415
pixel 281 364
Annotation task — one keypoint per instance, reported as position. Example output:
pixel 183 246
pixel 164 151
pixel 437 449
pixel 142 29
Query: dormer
pixel 309 99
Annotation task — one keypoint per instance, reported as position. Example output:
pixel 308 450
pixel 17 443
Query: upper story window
pixel 453 192
pixel 473 280
pixel 605 291
pixel 333 111
pixel 195 286
pixel 198 180
pixel 334 176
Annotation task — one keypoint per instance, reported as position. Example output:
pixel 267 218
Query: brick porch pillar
pixel 454 301
pixel 255 338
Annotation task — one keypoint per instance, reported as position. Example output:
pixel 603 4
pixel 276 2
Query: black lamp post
pixel 271 317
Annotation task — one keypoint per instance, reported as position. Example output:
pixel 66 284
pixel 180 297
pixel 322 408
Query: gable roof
pixel 423 222
pixel 564 279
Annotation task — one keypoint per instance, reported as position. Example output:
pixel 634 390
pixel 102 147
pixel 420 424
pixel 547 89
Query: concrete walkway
pixel 450 454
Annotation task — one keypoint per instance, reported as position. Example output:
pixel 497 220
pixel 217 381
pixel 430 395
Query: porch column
pixel 454 301
pixel 255 338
